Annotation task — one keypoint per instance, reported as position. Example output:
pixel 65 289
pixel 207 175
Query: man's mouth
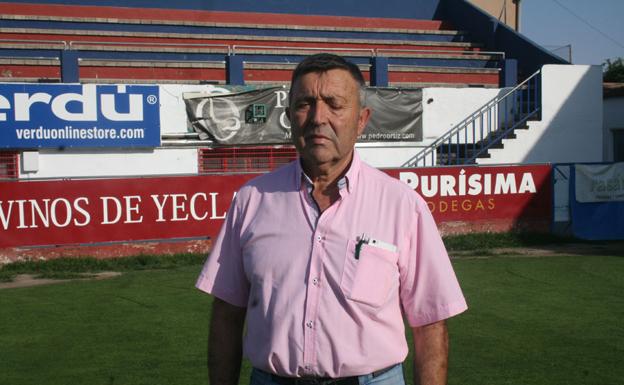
pixel 316 138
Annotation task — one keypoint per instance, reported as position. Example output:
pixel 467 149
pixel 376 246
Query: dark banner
pixel 396 117
pixel 259 116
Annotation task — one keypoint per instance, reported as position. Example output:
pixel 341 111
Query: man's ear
pixel 365 114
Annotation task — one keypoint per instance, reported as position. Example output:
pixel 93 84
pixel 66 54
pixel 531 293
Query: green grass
pixel 144 327
pixel 552 320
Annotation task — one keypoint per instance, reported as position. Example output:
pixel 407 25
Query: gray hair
pixel 323 62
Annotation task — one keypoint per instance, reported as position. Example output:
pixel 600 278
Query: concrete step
pixel 181 39
pixel 143 15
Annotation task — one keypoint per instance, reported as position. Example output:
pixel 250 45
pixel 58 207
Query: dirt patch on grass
pixel 104 251
pixel 28 280
pixel 560 249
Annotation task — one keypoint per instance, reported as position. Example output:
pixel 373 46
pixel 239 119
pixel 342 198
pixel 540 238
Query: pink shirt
pixel 313 308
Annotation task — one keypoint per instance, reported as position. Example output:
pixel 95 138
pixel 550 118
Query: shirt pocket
pixel 370 278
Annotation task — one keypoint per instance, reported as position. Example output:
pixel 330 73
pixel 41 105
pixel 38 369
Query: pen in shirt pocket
pixel 361 240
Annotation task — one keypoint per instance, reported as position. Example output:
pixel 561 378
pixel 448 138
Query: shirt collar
pixel 345 184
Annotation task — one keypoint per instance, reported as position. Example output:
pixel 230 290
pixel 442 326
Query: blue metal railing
pixel 484 128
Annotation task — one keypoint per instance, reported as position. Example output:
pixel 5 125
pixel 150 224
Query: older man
pixel 325 257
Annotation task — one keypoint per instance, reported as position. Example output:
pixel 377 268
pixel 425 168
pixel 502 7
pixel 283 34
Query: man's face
pixel 326 117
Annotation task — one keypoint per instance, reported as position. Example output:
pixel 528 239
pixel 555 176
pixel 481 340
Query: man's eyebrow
pixel 334 98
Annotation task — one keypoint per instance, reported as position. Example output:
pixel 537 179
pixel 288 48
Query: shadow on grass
pixel 487 244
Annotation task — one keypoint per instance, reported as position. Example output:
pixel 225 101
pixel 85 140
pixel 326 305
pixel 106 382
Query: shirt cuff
pixel 228 296
pixel 440 313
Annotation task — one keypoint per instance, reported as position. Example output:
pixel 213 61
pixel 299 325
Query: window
pixel 244 159
pixel 8 165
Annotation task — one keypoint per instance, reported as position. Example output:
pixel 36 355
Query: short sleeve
pixel 223 273
pixel 429 289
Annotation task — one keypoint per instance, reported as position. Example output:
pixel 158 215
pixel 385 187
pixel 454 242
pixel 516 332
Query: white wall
pixel 388 156
pixel 571 126
pixel 613 119
pixel 443 108
pixel 571 130
pixel 127 162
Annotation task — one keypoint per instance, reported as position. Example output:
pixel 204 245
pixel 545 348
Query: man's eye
pixel 335 103
pixel 301 105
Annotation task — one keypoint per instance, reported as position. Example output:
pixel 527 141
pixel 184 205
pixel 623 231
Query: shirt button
pixel 315 281
pixel 310 324
pixel 319 238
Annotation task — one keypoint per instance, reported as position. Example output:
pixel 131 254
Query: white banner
pixel 600 183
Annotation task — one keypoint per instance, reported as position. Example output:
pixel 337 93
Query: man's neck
pixel 325 179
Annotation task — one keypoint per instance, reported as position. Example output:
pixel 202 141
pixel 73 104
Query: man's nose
pixel 319 113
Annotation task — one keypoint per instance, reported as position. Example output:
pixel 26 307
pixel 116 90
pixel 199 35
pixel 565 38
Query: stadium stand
pixel 114 42
pixel 436 48
pixel 55 43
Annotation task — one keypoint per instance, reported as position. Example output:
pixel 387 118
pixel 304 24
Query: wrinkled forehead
pixel 331 83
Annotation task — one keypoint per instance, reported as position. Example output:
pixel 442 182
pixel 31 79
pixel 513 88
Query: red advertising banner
pixel 478 193
pixel 107 210
pixel 104 210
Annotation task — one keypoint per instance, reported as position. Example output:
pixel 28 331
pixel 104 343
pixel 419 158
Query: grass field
pixel 550 320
